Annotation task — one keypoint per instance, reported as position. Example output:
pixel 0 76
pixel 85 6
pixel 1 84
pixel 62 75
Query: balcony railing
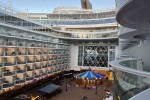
pixel 1 64
pixel 37 76
pixel 29 69
pixel 130 78
pixel 38 60
pixel 9 64
pixel 1 53
pixel 10 53
pixel 31 53
pixel 37 67
pixel 22 53
pixel 44 59
pixel 20 71
pixel 30 61
pixel 21 44
pixel 29 78
pixel 8 73
pixel 50 72
pixel 19 62
pixel 7 85
pixel 10 44
pixel 20 81
pixel 43 74
pixel 44 66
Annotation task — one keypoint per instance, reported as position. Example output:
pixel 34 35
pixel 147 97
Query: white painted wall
pixel 141 51
pixel 74 56
pixel 143 95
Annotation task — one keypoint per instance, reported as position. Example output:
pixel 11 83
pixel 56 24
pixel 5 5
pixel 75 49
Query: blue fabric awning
pixel 91 75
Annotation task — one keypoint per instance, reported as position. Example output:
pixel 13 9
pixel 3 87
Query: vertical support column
pixel 82 55
pixel 108 55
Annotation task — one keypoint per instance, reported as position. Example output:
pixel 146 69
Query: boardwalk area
pixel 76 93
pixel 73 92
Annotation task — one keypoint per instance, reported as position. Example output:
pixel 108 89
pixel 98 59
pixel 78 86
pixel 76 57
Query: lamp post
pixel 96 86
pixel 66 83
pixel 66 86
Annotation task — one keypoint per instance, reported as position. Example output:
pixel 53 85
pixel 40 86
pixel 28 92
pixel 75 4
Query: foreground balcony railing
pixel 130 78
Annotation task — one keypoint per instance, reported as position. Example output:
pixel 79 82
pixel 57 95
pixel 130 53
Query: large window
pixel 93 56
pixel 96 56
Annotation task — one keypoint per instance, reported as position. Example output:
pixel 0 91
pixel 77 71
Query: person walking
pixel 84 98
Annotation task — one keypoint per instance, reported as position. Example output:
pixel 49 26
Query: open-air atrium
pixel 76 53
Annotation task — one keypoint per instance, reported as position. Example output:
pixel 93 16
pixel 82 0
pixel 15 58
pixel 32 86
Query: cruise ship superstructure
pixel 36 45
pixel 131 68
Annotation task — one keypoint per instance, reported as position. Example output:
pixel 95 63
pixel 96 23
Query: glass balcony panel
pixel 37 67
pixel 31 53
pixel 7 85
pixel 19 81
pixel 37 76
pixel 21 62
pixel 20 71
pixel 22 53
pixel 8 73
pixel 29 78
pixel 9 64
pixel 10 53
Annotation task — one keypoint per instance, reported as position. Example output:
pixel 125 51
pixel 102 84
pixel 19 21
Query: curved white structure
pixel 132 74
